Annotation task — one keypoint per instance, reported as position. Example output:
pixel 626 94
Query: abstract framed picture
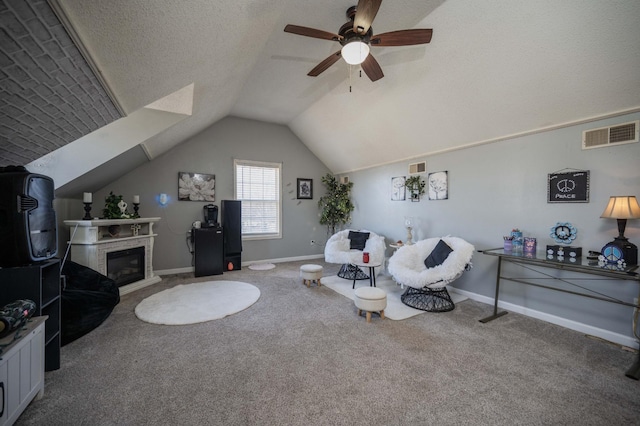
pixel 438 183
pixel 305 189
pixel 398 191
pixel 196 187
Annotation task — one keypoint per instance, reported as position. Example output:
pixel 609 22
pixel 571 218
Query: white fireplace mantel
pixel 91 241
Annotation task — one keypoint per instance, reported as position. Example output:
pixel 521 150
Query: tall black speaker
pixel 231 211
pixel 28 227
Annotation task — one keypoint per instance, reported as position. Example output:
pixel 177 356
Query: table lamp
pixel 623 208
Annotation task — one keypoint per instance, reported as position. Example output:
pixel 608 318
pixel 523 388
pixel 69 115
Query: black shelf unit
pixel 39 282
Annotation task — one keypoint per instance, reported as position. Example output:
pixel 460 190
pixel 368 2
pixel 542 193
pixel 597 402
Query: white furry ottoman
pixel 370 299
pixel 310 273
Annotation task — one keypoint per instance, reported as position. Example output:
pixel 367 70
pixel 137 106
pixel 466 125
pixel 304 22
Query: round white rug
pixel 197 302
pixel 261 266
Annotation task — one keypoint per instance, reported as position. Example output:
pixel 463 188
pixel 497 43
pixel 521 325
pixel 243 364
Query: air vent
pixel 344 179
pixel 416 168
pixel 612 135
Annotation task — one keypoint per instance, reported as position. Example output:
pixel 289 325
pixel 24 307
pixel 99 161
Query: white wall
pixel 503 185
pixel 212 151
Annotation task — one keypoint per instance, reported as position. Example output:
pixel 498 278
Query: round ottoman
pixel 370 299
pixel 310 273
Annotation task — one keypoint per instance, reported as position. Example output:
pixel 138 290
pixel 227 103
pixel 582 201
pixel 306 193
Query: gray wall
pixel 212 151
pixel 499 186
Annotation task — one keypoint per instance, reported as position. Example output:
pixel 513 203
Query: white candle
pixel 86 198
pixel 136 199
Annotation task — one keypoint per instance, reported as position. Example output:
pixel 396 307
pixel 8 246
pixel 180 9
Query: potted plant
pixel 113 207
pixel 335 205
pixel 415 185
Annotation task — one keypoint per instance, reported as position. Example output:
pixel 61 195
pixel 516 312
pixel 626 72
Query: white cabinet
pixel 21 370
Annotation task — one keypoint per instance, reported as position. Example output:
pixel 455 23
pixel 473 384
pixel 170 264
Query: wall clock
pixel 563 233
pixel 612 253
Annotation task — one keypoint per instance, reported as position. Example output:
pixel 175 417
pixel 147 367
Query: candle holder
pixel 87 211
pixel 136 206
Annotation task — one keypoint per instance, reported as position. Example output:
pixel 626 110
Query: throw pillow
pixel 358 240
pixel 438 255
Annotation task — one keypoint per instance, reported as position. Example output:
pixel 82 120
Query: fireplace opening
pixel 126 266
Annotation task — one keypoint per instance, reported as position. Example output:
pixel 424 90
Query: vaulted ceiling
pixel 493 69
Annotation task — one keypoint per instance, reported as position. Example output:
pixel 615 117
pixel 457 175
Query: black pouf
pixel 88 299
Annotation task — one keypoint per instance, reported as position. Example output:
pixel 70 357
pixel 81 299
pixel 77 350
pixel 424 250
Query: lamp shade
pixel 622 207
pixel 355 53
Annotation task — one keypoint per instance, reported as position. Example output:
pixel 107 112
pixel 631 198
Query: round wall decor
pixel 563 233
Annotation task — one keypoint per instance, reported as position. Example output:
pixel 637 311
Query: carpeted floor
pixel 302 356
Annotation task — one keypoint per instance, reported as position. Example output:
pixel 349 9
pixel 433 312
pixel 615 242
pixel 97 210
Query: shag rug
pixel 396 310
pixel 261 266
pixel 197 302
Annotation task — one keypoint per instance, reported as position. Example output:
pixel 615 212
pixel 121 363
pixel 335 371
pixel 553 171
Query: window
pixel 258 187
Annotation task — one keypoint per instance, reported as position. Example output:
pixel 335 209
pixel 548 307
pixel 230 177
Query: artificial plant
pixel 112 210
pixel 415 185
pixel 335 204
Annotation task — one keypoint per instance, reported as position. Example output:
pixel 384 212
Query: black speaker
pixel 28 227
pixel 231 211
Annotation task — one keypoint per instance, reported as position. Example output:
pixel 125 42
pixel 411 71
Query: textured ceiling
pixel 492 69
pixel 50 96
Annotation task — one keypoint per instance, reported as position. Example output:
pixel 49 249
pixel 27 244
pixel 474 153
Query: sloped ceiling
pixel 492 69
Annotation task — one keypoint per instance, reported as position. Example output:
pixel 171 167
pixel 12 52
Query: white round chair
pixel 426 287
pixel 339 250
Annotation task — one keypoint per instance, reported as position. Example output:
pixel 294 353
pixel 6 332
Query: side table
pixel 372 272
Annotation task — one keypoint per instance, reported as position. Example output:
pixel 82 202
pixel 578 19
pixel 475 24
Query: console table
pixel 580 265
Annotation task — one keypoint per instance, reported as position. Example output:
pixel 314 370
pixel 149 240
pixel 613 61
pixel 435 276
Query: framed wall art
pixel 568 187
pixel 305 189
pixel 196 187
pixel 438 184
pixel 398 190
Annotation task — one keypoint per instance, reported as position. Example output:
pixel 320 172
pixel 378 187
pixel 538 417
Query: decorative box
pixel 556 251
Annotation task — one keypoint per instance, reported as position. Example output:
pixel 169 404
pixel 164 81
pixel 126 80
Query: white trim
pixel 590 330
pixel 190 269
pixel 498 139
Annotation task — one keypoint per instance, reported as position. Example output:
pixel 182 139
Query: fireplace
pixel 126 257
pixel 126 266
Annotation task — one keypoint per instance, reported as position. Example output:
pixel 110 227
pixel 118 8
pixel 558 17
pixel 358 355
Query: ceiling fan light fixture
pixel 355 52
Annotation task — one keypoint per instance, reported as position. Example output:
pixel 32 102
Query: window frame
pixel 264 164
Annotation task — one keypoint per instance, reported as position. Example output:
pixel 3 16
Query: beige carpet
pixel 396 310
pixel 198 302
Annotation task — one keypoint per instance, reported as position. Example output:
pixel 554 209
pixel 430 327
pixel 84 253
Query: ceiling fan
pixel 356 36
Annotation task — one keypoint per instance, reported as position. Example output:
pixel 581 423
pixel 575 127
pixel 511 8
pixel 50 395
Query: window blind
pixel 258 187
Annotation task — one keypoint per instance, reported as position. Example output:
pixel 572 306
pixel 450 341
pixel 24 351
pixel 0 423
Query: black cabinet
pixel 39 282
pixel 208 251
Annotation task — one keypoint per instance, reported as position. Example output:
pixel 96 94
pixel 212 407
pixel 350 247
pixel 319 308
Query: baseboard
pixel 553 319
pixel 189 269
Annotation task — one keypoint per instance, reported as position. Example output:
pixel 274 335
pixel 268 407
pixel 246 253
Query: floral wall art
pixel 196 187
pixel 438 183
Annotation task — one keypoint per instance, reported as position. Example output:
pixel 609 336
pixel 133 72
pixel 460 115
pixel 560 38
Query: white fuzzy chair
pixel 427 286
pixel 338 250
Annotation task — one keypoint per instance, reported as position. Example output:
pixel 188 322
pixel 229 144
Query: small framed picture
pixel 438 183
pixel 398 190
pixel 305 189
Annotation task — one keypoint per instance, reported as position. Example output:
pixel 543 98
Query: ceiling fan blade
pixel 372 68
pixel 311 32
pixel 322 66
pixel 365 13
pixel 402 38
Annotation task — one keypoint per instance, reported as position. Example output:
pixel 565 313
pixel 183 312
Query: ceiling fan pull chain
pixel 349 78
